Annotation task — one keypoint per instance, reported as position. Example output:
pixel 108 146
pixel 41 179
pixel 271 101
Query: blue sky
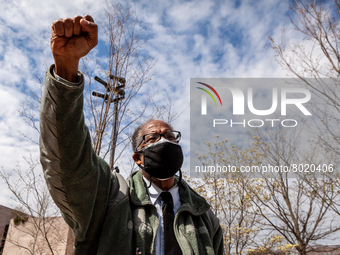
pixel 201 39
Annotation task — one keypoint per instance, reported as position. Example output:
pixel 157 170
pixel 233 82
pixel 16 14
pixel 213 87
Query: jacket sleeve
pixel 78 180
pixel 218 241
pixel 216 233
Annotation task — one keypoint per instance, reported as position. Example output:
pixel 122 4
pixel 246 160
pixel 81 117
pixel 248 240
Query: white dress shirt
pixel 154 195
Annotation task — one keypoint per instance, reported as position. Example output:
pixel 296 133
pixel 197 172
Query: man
pixel 153 212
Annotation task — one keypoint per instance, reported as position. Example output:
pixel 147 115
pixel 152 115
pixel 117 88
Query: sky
pixel 187 39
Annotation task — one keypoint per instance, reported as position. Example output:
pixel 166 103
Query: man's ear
pixel 137 157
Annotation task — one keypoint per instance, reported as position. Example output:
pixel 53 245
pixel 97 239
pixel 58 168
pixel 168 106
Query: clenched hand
pixel 72 39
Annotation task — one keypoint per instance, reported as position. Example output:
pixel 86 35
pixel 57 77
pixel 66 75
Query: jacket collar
pixel 190 200
pixel 138 193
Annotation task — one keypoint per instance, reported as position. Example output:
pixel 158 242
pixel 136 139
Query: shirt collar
pixel 154 191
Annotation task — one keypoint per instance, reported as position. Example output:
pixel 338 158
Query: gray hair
pixel 137 134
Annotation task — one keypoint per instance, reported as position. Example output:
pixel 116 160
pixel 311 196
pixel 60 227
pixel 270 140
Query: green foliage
pixel 17 220
pixel 227 193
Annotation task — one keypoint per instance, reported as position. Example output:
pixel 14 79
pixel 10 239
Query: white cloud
pixel 183 16
pixel 24 53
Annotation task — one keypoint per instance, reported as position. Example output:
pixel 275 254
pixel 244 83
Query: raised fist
pixel 72 39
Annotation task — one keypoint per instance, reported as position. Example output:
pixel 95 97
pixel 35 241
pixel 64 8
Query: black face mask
pixel 162 159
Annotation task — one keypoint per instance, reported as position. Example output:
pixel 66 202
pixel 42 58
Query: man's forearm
pixel 67 69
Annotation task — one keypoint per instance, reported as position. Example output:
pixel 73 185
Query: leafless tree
pixel 318 57
pixel 127 64
pixel 36 215
pixel 287 203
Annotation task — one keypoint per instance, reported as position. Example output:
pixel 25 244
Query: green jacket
pixel 108 214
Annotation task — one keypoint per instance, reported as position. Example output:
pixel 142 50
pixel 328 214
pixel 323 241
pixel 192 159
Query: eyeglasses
pixel 173 136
